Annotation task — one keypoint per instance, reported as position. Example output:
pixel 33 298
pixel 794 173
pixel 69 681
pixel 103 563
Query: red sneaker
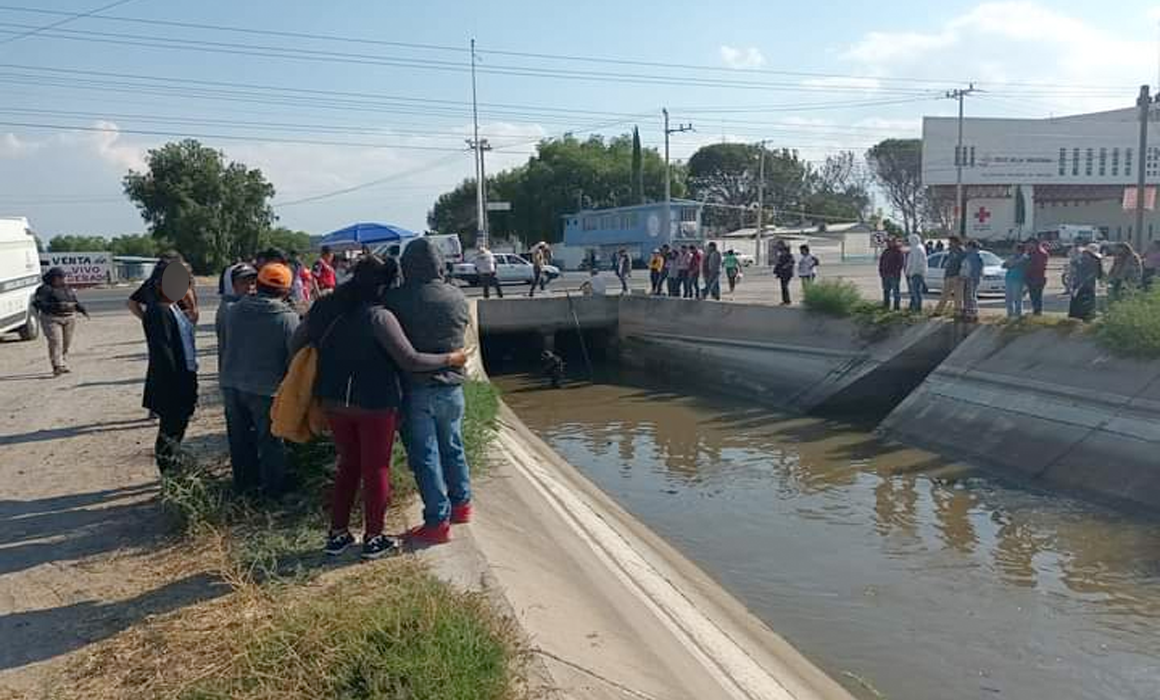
pixel 461 514
pixel 430 534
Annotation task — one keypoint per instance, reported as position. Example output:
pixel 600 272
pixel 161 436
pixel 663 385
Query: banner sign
pixel 81 269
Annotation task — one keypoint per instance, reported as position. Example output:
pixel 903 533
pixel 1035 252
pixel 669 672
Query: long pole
pixel 1144 103
pixel 667 219
pixel 760 203
pixel 483 147
pixel 960 161
pixel 480 211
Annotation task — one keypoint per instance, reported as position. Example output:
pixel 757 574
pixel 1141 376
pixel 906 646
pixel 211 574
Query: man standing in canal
pixel 434 316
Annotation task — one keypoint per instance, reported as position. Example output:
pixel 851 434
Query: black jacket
pixel 170 388
pixel 433 313
pixel 56 301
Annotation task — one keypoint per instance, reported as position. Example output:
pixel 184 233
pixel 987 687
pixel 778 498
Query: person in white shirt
pixel 485 268
pixel 595 285
pixel 807 267
pixel 915 270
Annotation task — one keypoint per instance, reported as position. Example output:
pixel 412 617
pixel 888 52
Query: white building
pixel 1068 170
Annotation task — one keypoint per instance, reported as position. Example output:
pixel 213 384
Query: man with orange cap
pixel 255 352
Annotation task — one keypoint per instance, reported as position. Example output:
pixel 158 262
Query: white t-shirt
pixel 485 263
pixel 598 285
pixel 807 266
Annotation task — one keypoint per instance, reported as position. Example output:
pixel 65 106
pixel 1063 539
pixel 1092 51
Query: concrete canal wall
pixel 788 358
pixel 1049 407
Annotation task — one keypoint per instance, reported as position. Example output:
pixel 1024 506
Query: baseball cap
pixel 276 276
pixel 242 271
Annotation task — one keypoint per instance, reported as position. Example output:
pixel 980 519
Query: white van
pixel 449 245
pixel 19 278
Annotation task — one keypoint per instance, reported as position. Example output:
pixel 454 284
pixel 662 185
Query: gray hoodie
pixel 433 313
pixel 255 338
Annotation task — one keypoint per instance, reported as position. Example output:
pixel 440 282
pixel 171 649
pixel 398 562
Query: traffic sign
pixel 499 206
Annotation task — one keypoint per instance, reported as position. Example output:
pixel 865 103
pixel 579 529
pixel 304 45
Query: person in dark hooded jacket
pixel 57 304
pixel 434 316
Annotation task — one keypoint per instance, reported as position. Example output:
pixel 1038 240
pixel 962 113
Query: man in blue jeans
pixel 434 315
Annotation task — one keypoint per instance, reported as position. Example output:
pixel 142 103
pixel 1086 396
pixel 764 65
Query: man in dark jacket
pixel 434 316
pixel 890 270
pixel 171 380
pixel 255 336
pixel 1036 274
pixel 58 307
pixel 954 285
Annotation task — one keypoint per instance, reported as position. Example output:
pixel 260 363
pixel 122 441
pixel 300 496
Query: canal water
pixel 902 575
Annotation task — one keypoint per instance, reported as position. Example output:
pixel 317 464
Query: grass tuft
pixel 836 297
pixel 1131 326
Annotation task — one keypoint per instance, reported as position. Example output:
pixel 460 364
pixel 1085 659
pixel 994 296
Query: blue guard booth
pixel 638 229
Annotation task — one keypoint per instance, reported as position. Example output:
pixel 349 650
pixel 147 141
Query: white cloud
pixel 1015 41
pixel 741 58
pixel 12 146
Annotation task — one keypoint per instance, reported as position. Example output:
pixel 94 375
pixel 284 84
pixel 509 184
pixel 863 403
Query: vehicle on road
pixel 509 269
pixel 745 259
pixel 994 275
pixel 19 278
pixel 448 245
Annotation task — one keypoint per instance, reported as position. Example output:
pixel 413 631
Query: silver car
pixel 994 276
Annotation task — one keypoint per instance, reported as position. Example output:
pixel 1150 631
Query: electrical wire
pixel 69 17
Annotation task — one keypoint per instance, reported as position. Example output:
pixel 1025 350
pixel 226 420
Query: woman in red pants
pixel 361 350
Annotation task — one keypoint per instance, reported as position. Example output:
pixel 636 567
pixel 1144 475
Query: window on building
pixel 606 222
pixel 689 214
pixel 1075 161
pixel 634 219
pixel 1089 161
pixel 1128 162
pixel 972 156
pixel 1063 161
pixel 958 159
pixel 1115 162
pixel 1103 162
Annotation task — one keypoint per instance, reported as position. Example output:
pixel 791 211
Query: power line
pixel 69 17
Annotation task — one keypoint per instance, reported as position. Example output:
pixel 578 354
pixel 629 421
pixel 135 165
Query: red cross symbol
pixel 983 215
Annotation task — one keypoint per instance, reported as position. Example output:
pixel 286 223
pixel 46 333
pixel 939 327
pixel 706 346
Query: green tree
pixel 838 189
pixel 77 244
pixel 135 244
pixel 211 210
pixel 897 165
pixel 563 174
pixel 637 168
pixel 727 174
pixel 286 239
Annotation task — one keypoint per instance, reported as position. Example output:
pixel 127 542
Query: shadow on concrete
pixel 26 377
pixel 73 431
pixel 113 382
pixel 39 635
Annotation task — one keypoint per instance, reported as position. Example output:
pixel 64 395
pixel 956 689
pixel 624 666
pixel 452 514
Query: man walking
pixel 952 289
pixel 434 316
pixel 255 352
pixel 537 269
pixel 623 269
pixel 890 267
pixel 916 269
pixel 1035 275
pixel 485 269
pixel 783 268
pixel 58 307
pixel 711 269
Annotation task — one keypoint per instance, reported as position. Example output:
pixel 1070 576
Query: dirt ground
pixel 80 529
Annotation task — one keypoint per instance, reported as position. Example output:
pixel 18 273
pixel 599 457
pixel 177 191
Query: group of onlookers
pixel 687 272
pixel 388 343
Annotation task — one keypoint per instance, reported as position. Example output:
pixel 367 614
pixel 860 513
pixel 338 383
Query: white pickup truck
pixel 19 278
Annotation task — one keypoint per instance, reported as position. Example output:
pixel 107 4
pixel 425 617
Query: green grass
pixel 396 632
pixel 839 298
pixel 1131 326
pixel 273 541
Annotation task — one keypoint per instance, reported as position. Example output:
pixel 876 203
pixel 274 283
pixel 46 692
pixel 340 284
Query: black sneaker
pixel 337 543
pixel 380 546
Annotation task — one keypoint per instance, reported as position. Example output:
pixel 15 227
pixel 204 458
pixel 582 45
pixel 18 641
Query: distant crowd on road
pixel 364 353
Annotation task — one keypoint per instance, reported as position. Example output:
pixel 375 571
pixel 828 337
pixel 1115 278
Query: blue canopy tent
pixel 365 234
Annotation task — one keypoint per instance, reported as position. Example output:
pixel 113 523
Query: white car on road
pixel 994 275
pixel 509 269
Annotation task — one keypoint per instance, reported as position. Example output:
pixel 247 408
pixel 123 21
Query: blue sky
pixel 817 77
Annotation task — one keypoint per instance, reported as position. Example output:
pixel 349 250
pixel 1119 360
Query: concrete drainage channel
pixel 932 381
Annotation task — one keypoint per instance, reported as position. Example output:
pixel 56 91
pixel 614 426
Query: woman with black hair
pixel 361 350
pixel 57 304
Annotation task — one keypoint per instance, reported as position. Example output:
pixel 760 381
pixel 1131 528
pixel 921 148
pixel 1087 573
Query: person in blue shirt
pixel 972 276
pixel 1016 280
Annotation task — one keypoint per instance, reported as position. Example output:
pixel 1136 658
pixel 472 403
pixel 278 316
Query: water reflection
pixel 929 578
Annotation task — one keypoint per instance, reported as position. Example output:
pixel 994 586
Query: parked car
pixel 509 269
pixel 993 273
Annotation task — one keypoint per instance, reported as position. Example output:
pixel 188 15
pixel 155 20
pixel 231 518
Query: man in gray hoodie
pixel 254 335
pixel 434 316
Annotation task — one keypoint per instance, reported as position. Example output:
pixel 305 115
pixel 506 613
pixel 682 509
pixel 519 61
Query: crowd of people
pixel 389 345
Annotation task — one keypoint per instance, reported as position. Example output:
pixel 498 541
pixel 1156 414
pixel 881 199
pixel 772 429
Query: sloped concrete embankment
pixel 788 358
pixel 1051 408
pixel 611 609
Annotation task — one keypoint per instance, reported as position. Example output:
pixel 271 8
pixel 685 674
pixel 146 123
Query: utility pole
pixel 960 160
pixel 760 203
pixel 1144 103
pixel 480 207
pixel 668 217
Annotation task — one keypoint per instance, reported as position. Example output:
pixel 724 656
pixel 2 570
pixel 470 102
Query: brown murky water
pixel 892 569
